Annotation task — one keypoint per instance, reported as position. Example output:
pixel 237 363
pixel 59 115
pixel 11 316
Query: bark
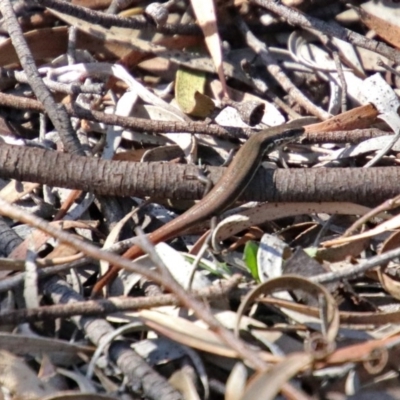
pixel 120 178
pixel 9 239
pixel 140 376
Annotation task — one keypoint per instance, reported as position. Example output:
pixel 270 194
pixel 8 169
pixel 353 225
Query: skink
pixel 227 190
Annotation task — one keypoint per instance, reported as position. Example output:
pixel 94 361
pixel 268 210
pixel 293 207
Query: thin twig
pixel 55 111
pixel 277 73
pixel 386 206
pixel 14 281
pixel 112 305
pixel 170 284
pixel 109 20
pixel 339 67
pixel 69 88
pixel 357 270
pixel 292 16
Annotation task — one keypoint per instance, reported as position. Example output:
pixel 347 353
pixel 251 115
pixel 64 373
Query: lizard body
pixel 227 190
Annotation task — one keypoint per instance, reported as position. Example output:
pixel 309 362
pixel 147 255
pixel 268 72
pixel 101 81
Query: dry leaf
pixel 385 29
pixel 207 19
pixel 20 380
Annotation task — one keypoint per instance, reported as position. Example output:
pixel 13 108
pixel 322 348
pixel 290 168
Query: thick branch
pixel 163 180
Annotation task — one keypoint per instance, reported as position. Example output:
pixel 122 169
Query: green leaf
pixel 311 251
pixel 189 88
pixel 216 268
pixel 250 258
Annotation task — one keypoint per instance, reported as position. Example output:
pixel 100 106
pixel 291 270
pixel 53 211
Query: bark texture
pixel 162 180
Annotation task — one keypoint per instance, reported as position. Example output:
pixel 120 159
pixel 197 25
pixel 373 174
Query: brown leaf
pixel 384 29
pixel 207 18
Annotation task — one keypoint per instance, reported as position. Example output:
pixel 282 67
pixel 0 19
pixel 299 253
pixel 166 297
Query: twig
pixel 109 20
pixel 292 16
pixel 136 371
pixel 70 88
pixel 277 73
pixel 14 281
pixel 112 305
pixel 342 79
pixel 137 124
pixel 387 205
pixel 357 270
pixel 146 125
pixel 170 284
pixel 56 112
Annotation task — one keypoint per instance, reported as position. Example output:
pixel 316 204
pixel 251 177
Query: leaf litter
pixel 316 313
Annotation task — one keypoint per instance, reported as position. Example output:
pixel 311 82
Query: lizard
pixel 227 190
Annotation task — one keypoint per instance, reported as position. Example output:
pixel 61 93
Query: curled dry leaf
pixel 268 384
pixel 187 333
pixel 292 282
pixel 390 282
pixel 236 382
pixel 386 226
pixel 255 214
pixel 270 257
